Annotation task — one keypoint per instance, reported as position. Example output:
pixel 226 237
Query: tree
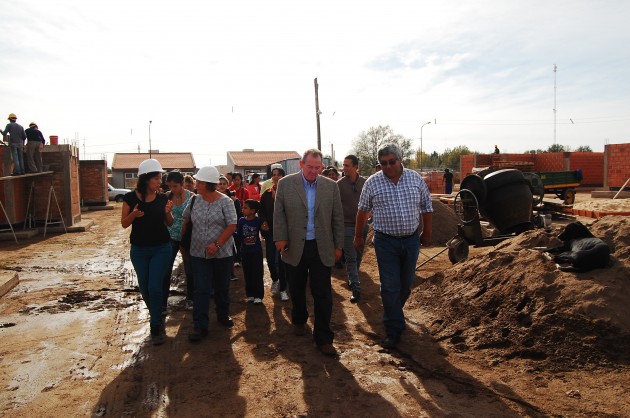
pixel 584 148
pixel 557 148
pixel 367 144
pixel 451 157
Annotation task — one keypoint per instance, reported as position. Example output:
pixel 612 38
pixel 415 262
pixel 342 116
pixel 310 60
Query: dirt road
pixel 74 342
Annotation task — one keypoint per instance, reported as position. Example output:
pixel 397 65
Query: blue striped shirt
pixel 396 208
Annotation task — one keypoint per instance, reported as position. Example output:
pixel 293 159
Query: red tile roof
pixel 169 160
pixel 259 158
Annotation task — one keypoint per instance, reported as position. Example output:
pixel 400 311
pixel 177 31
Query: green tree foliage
pixel 367 144
pixel 584 148
pixel 557 148
pixel 450 157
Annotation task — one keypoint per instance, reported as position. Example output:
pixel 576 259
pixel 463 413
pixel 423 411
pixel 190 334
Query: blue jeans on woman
pixel 211 274
pixel 396 259
pixel 150 264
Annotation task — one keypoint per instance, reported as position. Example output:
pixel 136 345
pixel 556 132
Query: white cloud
pixel 225 75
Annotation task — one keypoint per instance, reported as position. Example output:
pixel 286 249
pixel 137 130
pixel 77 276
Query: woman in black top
pixel 149 213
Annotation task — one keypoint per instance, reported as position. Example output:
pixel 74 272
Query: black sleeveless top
pixel 150 229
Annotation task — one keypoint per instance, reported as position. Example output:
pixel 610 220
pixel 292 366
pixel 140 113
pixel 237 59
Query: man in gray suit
pixel 308 231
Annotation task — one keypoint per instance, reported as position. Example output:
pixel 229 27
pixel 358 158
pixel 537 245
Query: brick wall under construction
pixel 591 163
pixel 61 171
pixel 617 163
pixel 93 182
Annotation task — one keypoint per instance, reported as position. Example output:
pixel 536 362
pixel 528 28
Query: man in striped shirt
pixel 400 203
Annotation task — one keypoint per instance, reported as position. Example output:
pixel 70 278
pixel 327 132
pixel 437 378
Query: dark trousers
pixel 252 263
pixel 212 276
pixel 275 263
pixel 311 266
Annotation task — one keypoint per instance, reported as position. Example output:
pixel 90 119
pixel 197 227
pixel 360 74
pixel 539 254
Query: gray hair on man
pixel 390 149
pixel 314 152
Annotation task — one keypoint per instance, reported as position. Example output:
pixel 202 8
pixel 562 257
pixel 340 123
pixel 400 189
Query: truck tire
pixel 568 196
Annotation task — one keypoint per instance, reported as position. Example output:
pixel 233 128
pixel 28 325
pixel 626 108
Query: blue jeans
pixel 150 264
pixel 211 274
pixel 169 272
pixel 17 153
pixel 353 258
pixel 397 259
pixel 274 262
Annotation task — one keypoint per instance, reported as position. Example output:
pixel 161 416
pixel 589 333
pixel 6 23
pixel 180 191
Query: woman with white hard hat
pixel 148 211
pixel 213 219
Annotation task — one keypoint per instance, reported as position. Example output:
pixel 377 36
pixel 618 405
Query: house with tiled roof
pixel 250 161
pixel 125 165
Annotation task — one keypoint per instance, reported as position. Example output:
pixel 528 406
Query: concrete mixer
pixel 504 198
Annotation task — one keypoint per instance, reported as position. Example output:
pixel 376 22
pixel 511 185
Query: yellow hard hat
pixel 12 116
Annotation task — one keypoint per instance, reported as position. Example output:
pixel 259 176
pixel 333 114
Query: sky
pixel 209 77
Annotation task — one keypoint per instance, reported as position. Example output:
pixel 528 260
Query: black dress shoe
pixel 299 329
pixel 390 342
pixel 356 296
pixel 226 322
pixel 197 335
pixel 327 349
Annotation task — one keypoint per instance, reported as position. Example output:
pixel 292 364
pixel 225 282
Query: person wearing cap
pixel 213 219
pixel 148 212
pixel 16 135
pixel 269 182
pixel 34 148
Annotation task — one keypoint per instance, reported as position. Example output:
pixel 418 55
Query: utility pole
pixel 317 113
pixel 555 110
pixel 427 123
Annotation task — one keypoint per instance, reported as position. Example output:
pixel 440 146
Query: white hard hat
pixel 209 174
pixel 150 166
pixel 276 165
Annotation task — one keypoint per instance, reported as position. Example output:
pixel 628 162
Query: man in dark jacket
pixel 34 148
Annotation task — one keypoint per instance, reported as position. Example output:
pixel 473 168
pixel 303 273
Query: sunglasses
pixel 385 163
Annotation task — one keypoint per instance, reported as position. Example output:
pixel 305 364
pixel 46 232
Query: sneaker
pixel 284 295
pixel 275 287
pixel 390 342
pixel 356 296
pixel 197 335
pixel 234 278
pixel 188 305
pixel 257 301
pixel 249 299
pixel 237 264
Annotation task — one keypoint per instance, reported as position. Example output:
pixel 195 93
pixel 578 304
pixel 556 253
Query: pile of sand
pixel 607 205
pixel 511 302
pixel 444 223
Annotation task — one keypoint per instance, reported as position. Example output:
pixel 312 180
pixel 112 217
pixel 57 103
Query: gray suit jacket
pixel 291 213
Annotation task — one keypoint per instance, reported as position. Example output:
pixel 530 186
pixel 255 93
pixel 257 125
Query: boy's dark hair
pixel 253 204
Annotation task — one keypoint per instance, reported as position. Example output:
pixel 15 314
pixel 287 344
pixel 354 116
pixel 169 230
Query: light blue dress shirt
pixel 310 190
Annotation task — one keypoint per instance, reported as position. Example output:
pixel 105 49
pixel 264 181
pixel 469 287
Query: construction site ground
pixel 502 334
